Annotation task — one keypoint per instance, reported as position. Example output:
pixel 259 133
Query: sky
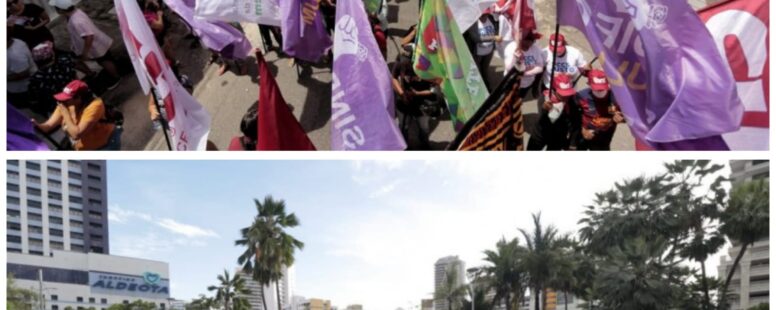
pixel 372 229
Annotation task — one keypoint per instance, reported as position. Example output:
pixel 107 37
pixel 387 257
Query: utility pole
pixel 40 290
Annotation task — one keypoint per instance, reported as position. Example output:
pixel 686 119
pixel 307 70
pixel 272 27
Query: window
pixel 76 235
pixel 14 239
pixel 74 188
pixel 96 249
pixel 54 171
pixel 33 179
pixel 95 214
pixel 161 306
pixel 52 184
pixel 95 202
pixel 13 175
pixel 55 232
pixel 12 200
pixel 74 199
pixel 36 243
pixel 79 299
pixel 33 191
pixel 74 175
pixel 125 302
pixel 35 230
pixel 56 245
pixel 55 220
pixel 77 213
pixel 36 253
pixel 54 297
pixel 56 196
pixel 34 217
pixel 54 307
pixel 33 165
pixel 94 190
pixel 13 213
pixel 95 237
pixel 94 167
pixel 34 204
pixel 14 226
pixel 13 250
pixel 12 187
pixel 13 163
pixel 104 301
pixel 758 162
pixel 94 178
pixel 76 248
pixel 91 300
pixel 95 225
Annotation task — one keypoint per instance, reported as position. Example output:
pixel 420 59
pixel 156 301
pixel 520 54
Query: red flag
pixel 523 18
pixel 278 128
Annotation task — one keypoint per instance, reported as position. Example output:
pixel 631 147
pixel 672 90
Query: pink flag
pixel 188 120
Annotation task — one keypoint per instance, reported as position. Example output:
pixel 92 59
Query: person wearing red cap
pixel 529 58
pixel 599 115
pixel 569 60
pixel 556 115
pixel 82 117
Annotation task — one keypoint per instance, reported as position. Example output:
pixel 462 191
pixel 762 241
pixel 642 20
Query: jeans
pixel 114 142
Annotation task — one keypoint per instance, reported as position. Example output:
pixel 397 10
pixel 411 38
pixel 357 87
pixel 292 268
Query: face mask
pixel 600 94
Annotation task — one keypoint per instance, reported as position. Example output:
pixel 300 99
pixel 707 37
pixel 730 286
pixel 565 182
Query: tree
pixel 542 253
pixel 451 291
pixel 202 303
pixel 267 243
pixel 20 298
pixel 135 305
pixel 506 274
pixel 229 291
pixel 745 221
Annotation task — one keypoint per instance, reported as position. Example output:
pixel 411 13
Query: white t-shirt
pixel 80 25
pixel 19 60
pixel 486 29
pixel 567 64
pixel 534 57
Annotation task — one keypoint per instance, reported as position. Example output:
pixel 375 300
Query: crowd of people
pixel 57 84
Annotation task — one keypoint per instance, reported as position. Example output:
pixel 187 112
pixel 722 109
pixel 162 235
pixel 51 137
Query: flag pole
pixel 162 120
pixel 555 47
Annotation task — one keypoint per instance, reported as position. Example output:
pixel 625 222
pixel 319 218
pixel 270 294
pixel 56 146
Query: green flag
pixel 441 53
pixel 373 6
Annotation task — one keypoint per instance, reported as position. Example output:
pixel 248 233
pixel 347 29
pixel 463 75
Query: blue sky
pixel 372 229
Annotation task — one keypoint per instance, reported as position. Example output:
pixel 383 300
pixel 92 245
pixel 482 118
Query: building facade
pixel 750 285
pixel 441 267
pixel 56 205
pixel 90 280
pixel 270 293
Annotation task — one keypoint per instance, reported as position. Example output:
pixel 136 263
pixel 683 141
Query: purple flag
pixel 215 35
pixel 362 111
pixel 666 73
pixel 304 35
pixel 21 134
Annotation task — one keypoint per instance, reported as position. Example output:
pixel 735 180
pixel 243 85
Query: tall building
pixel 750 284
pixel 442 266
pixel 269 291
pixel 56 205
pixel 317 304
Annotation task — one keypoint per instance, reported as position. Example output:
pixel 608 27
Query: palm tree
pixel 202 303
pixel 268 245
pixel 229 290
pixel 451 291
pixel 563 278
pixel 505 274
pixel 542 244
pixel 745 221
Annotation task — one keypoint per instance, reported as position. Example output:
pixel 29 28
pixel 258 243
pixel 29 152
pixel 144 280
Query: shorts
pixel 108 56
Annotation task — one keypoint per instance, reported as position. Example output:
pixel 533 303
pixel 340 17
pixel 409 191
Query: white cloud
pixel 384 190
pixel 120 215
pixel 187 230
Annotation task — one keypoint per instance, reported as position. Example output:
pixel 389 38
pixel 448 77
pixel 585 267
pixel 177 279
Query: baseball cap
pixel 597 80
pixel 562 85
pixel 71 90
pixel 561 43
pixel 62 4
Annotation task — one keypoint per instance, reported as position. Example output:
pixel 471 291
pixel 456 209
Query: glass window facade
pixel 57 275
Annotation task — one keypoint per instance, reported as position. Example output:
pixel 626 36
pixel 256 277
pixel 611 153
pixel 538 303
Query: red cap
pixel 71 90
pixel 597 80
pixel 532 35
pixel 562 85
pixel 561 43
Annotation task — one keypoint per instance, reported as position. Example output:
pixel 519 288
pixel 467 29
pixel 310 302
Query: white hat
pixel 62 4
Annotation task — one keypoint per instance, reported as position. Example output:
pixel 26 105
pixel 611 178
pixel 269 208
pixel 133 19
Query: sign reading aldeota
pixel 148 285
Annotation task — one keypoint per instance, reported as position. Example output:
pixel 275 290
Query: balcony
pixel 74 241
pixel 33 172
pixel 55 176
pixel 35 210
pixel 53 212
pixel 57 238
pixel 13 232
pixel 38 223
pixel 759 270
pixel 35 247
pixel 760 255
pixel 13 194
pixel 75 181
pixel 754 301
pixel 34 184
pixel 15 219
pixel 35 235
pixel 56 226
pixel 77 206
pixel 758 287
pixel 13 206
pixel 55 188
pixel 12 168
pixel 14 245
pixel 76 229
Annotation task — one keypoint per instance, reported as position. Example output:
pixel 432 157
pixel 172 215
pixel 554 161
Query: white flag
pixel 467 12
pixel 189 121
pixel 265 12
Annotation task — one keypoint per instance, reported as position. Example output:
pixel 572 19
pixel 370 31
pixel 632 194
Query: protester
pixel 87 41
pixel 235 52
pixel 154 15
pixel 274 31
pixel 599 112
pixel 55 71
pixel 329 11
pixel 249 129
pixel 377 30
pixel 21 66
pixel 556 114
pixel 418 101
pixel 483 36
pixel 83 117
pixel 530 59
pixel 570 60
pixel 29 22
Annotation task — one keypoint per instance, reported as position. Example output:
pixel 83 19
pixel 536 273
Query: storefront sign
pixel 149 284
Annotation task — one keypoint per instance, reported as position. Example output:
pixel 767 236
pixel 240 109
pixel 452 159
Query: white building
pixel 270 293
pixel 84 280
pixel 56 205
pixel 441 268
pixel 750 284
